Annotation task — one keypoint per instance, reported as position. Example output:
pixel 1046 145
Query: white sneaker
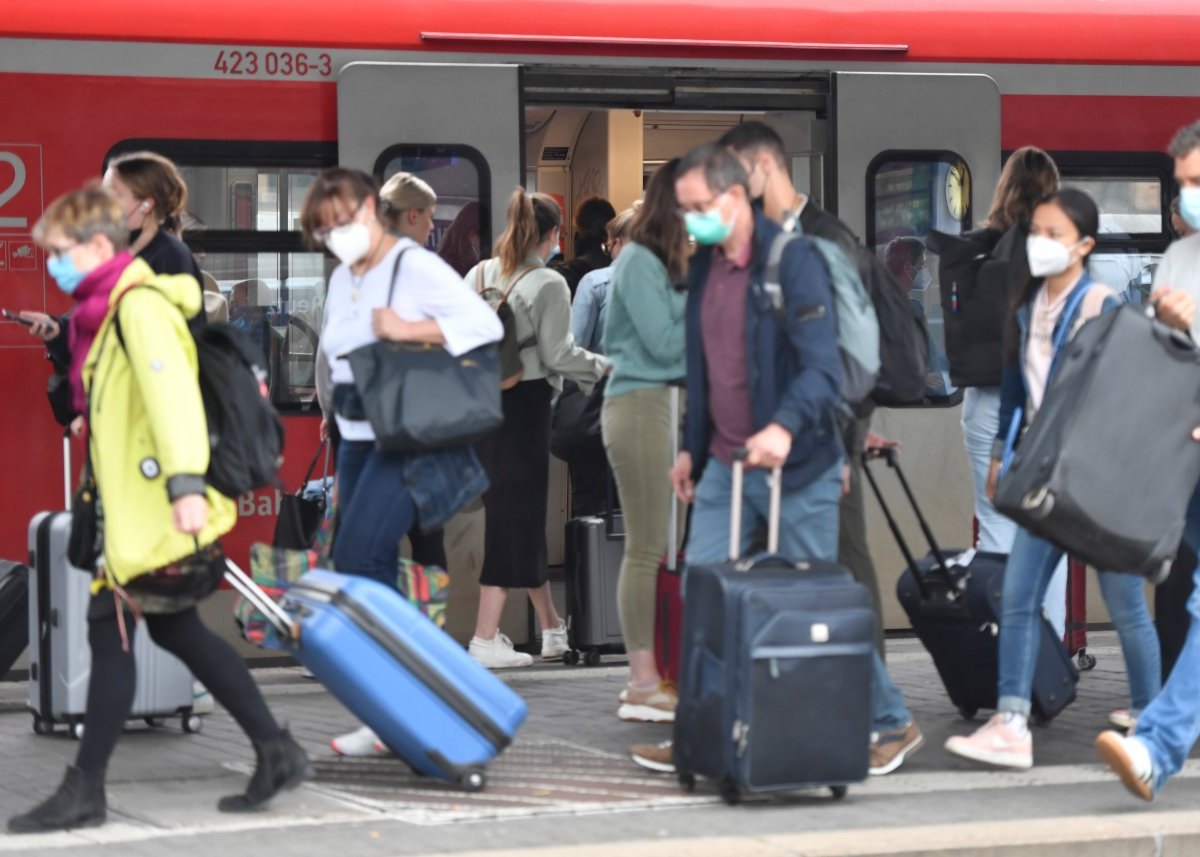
pixel 1130 760
pixel 498 653
pixel 554 643
pixel 360 742
pixel 202 699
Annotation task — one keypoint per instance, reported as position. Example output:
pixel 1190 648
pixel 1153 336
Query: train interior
pixel 891 187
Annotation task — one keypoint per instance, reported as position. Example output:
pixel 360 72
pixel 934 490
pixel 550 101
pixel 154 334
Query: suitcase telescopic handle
pixel 252 592
pixel 673 518
pixel 775 481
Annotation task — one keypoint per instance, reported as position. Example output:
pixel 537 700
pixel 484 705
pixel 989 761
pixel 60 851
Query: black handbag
pixel 299 515
pixel 84 544
pixel 576 419
pixel 420 398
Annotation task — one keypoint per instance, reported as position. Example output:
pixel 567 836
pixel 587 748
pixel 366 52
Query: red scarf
pixel 91 308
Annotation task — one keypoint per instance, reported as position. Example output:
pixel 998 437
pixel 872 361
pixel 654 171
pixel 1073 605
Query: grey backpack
pixel 857 324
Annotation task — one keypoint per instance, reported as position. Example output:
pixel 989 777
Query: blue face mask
pixel 62 269
pixel 708 227
pixel 1189 206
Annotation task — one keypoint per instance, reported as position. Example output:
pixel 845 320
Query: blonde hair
pixel 531 217
pixel 151 176
pixel 618 227
pixel 403 192
pixel 82 214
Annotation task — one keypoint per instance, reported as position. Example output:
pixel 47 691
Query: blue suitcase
pixel 774 686
pixel 421 693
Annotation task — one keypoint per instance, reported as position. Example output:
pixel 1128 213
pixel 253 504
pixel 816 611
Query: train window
pixel 909 193
pixel 460 177
pixel 243 224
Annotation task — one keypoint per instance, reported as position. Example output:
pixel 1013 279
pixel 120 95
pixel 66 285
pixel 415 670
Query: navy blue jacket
pixel 792 357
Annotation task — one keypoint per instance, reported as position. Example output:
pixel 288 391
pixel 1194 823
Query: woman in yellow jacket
pixel 148 447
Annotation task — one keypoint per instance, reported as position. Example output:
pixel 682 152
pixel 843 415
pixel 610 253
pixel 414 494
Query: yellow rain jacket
pixel 147 423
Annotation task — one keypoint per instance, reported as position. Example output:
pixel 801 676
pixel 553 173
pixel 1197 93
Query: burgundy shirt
pixel 723 331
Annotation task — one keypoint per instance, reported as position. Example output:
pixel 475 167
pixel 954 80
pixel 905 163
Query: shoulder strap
pixel 395 275
pixel 512 284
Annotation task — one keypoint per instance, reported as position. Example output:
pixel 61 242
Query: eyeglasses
pixel 59 252
pixel 700 207
pixel 323 233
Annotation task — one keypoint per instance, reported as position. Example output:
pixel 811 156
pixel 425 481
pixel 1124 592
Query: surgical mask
pixel 1047 257
pixel 922 280
pixel 62 269
pixel 554 251
pixel 708 227
pixel 350 242
pixel 1189 206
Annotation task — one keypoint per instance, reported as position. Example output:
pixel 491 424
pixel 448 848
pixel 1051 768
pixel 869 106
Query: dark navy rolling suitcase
pixel 14 613
pixel 953 601
pixel 421 693
pixel 774 689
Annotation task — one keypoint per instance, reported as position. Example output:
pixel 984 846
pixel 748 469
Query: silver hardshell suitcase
pixel 60 660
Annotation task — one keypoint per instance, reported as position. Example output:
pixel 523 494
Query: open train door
pixel 883 122
pixel 459 127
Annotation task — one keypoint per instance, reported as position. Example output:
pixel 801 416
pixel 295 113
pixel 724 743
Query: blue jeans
pixel 980 425
pixel 1030 567
pixel 808 530
pixel 1171 724
pixel 375 511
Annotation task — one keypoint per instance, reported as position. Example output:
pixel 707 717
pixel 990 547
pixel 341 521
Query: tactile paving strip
pixel 530 778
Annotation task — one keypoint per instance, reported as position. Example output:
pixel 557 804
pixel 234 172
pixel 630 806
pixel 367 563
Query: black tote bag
pixel 420 398
pixel 301 516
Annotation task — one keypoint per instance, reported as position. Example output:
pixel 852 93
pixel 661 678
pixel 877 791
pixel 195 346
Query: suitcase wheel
pixel 473 780
pixel 839 792
pixel 192 724
pixel 591 658
pixel 41 726
pixel 570 657
pixel 730 793
pixel 966 712
pixel 688 782
pixel 155 722
pixel 1085 661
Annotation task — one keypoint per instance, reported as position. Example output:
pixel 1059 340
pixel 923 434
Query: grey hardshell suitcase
pixel 594 549
pixel 775 682
pixel 60 660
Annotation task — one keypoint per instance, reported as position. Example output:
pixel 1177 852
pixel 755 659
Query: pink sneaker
pixel 995 743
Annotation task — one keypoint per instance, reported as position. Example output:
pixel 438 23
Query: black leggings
pixel 111 686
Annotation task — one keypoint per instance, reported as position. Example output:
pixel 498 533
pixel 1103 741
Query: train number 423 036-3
pixel 274 63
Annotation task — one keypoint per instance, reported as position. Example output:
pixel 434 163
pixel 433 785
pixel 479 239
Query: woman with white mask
pixel 381 495
pixel 1057 292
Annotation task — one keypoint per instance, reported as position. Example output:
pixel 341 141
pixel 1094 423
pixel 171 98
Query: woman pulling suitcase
pixel 1058 292
pixel 148 447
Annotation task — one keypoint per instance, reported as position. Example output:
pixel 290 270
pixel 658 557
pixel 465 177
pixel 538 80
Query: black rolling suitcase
pixel 1086 476
pixel 595 546
pixel 14 613
pixel 775 682
pixel 953 601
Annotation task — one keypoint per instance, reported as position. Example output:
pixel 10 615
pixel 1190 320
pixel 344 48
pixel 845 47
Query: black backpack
pixel 903 337
pixel 245 434
pixel 977 272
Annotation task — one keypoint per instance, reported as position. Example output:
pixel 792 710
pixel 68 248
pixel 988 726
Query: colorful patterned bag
pixel 274 569
pixel 427 588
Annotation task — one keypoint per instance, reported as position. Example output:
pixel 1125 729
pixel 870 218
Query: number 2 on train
pixel 9 192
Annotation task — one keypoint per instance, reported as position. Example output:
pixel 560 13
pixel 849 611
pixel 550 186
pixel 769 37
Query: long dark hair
pixel 1083 213
pixel 657 225
pixel 1028 176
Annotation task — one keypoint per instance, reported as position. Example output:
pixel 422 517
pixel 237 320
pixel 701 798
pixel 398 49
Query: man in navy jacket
pixel 763 372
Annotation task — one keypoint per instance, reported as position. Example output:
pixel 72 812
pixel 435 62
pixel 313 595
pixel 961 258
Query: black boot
pixel 79 802
pixel 282 765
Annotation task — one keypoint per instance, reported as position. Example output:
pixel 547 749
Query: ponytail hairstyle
pixel 403 192
pixel 152 177
pixel 1028 176
pixel 531 217
pixel 1083 213
pixel 657 225
pixel 336 184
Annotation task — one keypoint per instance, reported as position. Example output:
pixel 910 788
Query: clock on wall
pixel 958 190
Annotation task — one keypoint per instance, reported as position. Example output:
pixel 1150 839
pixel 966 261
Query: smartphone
pixel 14 317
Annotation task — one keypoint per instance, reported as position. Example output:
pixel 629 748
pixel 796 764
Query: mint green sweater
pixel 644 328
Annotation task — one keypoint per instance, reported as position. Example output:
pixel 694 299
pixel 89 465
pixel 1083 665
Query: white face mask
pixel 1047 257
pixel 350 242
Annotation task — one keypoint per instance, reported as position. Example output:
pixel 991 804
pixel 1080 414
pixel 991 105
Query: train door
pixel 914 152
pixel 458 127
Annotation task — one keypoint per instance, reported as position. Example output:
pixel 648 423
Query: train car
pixel 896 117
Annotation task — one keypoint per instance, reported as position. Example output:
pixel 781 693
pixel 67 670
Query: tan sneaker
pixel 995 743
pixel 655 757
pixel 890 749
pixel 656 705
pixel 1130 760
